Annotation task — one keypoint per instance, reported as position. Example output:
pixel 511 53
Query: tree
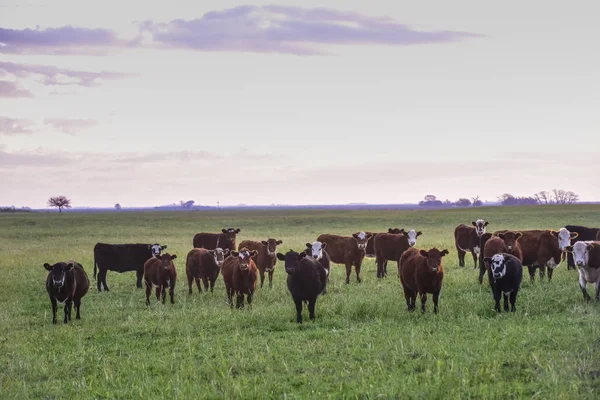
pixel 431 201
pixel 60 202
pixel 430 197
pixel 462 202
pixel 117 206
pixel 476 202
pixel 564 197
pixel 186 204
pixel 542 197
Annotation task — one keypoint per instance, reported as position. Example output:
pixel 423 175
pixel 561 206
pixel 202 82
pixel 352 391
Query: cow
pixel 370 249
pixel 389 247
pixel 240 275
pixel 306 280
pixel 586 256
pixel 160 273
pixel 494 245
pixel 468 239
pixel 122 258
pixel 422 272
pixel 266 259
pixel 505 273
pixel 347 250
pixel 210 241
pixel 205 265
pixel 66 283
pixel 583 234
pixel 317 251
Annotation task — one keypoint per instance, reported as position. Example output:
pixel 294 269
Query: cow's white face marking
pixel 317 250
pixel 156 249
pixel 362 240
pixel 219 256
pixel 362 235
pixel 564 238
pixel 244 259
pixel 498 266
pixel 412 237
pixel 480 227
pixel 581 253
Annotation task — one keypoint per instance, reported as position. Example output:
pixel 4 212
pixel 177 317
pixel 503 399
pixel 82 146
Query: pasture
pixel 363 345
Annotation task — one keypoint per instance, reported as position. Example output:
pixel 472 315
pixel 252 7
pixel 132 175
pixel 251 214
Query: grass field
pixel 363 345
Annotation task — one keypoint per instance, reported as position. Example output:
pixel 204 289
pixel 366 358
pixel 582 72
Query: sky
pixel 288 102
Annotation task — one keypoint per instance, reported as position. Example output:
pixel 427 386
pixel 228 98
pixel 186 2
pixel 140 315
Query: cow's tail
pixel 95 264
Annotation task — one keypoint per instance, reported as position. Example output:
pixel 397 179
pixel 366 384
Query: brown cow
pixel 210 241
pixel 159 272
pixel 468 239
pixel 502 243
pixel 204 264
pixel 422 272
pixel 370 249
pixel 347 250
pixel 266 259
pixel 66 283
pixel 389 247
pixel 240 275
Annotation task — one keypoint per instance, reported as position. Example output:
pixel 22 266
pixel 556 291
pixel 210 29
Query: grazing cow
pixel 583 234
pixel 347 250
pixel 505 273
pixel 204 264
pixel 317 251
pixel 468 239
pixel 422 272
pixel 123 258
pixel 160 272
pixel 389 247
pixel 240 275
pixel 210 241
pixel 586 256
pixel 370 249
pixel 306 280
pixel 66 283
pixel 266 258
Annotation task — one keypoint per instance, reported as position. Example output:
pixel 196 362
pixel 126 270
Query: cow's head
pixel 166 260
pixel 434 258
pixel 564 237
pixel 245 256
pixel 230 234
pixel 396 231
pixel 219 254
pixel 510 239
pixel 497 265
pixel 156 248
pixel 58 273
pixel 480 225
pixel 581 252
pixel 291 260
pixel 315 249
pixel 412 237
pixel 271 245
pixel 361 239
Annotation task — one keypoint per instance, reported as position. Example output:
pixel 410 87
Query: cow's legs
pixel 505 296
pixel 582 284
pixel 423 301
pixel 212 284
pixel 542 267
pixel 409 296
pixel 271 279
pixel 311 308
pixel 249 298
pixel 190 281
pixel 436 298
pixel 598 290
pixel 531 269
pixel 77 302
pixel 163 293
pixel 461 257
pixel 262 278
pixel 385 268
pixel 148 292
pixel 357 269
pixel 68 305
pixel 482 271
pixel 172 293
pixel 475 256
pixel 54 309
pixel 298 310
pixel 348 272
pixel 229 295
pixel 379 264
pixel 158 293
pixel 101 279
pixel 139 275
pixel 497 294
pixel 513 299
pixel 550 271
pixel 239 301
pixel 204 282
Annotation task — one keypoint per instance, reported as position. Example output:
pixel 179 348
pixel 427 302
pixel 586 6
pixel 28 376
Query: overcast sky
pixel 149 103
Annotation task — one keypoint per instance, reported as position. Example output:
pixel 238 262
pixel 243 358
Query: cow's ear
pixel 238 230
pixel 308 245
pixel 301 255
pixel 390 230
pixel 444 252
pixel 224 230
pixel 487 259
pixel 501 236
pixel 280 257
pixel 355 236
pixel 149 247
pixel 574 235
pixel 369 235
pixel 70 266
pixel 264 242
pixel 253 253
pixel 590 246
pixel 234 253
pixel 48 266
pixel 323 245
pixel 569 249
pixel 402 231
pixel 163 247
pixel 212 252
pixel 419 233
pixel 225 252
pixel 486 223
pixel 473 222
pixel 554 233
pixel 519 234
pixel 174 256
pixel 423 253
pixel 279 242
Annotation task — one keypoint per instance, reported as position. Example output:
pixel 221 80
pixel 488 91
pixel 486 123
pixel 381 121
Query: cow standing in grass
pixel 240 275
pixel 347 250
pixel 160 273
pixel 389 247
pixel 506 242
pixel 584 234
pixel 66 283
pixel 505 273
pixel 317 251
pixel 266 259
pixel 422 272
pixel 469 239
pixel 210 241
pixel 586 256
pixel 202 264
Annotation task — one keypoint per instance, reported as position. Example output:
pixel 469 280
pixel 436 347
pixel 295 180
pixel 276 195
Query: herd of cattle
pixel 502 254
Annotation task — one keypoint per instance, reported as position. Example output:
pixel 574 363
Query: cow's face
pixel 230 233
pixel 510 239
pixel 315 249
pixel 497 265
pixel 581 252
pixel 361 239
pixel 271 245
pixel 396 231
pixel 166 260
pixel 291 260
pixel 480 225
pixel 219 254
pixel 245 257
pixel 58 273
pixel 434 258
pixel 156 249
pixel 564 237
pixel 412 237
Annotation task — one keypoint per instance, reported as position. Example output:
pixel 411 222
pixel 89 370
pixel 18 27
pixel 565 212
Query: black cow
pixel 123 258
pixel 317 251
pixel 584 234
pixel 505 274
pixel 306 280
pixel 66 283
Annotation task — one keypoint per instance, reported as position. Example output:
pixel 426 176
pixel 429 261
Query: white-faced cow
pixel 505 274
pixel 317 251
pixel 583 234
pixel 586 256
pixel 469 239
pixel 347 250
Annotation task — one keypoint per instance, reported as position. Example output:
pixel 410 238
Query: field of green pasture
pixel 363 345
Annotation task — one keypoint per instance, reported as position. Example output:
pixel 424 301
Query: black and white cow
pixel 586 256
pixel 505 275
pixel 317 251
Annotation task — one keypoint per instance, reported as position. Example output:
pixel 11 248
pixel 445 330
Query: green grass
pixel 363 345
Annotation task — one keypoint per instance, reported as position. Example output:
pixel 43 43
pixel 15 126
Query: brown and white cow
pixel 422 272
pixel 266 259
pixel 210 241
pixel 389 247
pixel 370 249
pixel 160 273
pixel 586 256
pixel 347 250
pixel 66 283
pixel 240 275
pixel 468 239
pixel 205 265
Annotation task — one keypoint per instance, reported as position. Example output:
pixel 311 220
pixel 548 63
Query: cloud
pixel 11 90
pixel 30 158
pixel 12 126
pixel 60 76
pixel 70 126
pixel 284 29
pixel 179 156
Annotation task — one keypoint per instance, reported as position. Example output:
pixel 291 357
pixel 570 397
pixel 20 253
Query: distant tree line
pixel 432 201
pixel 12 209
pixel 556 196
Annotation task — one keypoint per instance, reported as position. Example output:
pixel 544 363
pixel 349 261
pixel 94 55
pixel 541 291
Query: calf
pixel 210 241
pixel 240 275
pixel 370 249
pixel 505 273
pixel 266 259
pixel 583 234
pixel 66 283
pixel 204 264
pixel 347 250
pixel 306 280
pixel 422 272
pixel 389 247
pixel 494 245
pixel 586 256
pixel 468 239
pixel 160 272
pixel 317 251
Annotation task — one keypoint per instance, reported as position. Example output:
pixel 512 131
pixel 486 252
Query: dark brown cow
pixel 503 243
pixel 159 272
pixel 266 259
pixel 370 249
pixel 210 241
pixel 347 250
pixel 389 247
pixel 422 272
pixel 240 275
pixel 468 239
pixel 66 283
pixel 205 265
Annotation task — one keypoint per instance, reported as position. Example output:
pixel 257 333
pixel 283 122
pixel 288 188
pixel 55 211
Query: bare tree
pixel 476 202
pixel 60 202
pixel 117 206
pixel 463 202
pixel 571 197
pixel 543 197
